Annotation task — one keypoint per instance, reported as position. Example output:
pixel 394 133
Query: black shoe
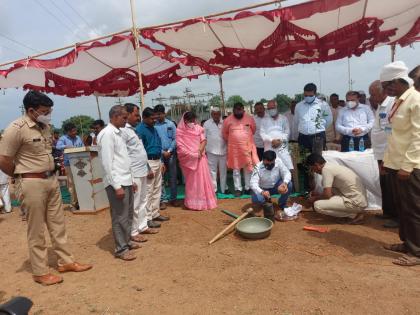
pixel 153 224
pixel 391 224
pixel 163 206
pixel 161 218
pixel 237 193
pixel 247 192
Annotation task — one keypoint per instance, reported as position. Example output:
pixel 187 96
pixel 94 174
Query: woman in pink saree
pixel 190 142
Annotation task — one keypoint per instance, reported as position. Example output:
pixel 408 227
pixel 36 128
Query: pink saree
pixel 199 191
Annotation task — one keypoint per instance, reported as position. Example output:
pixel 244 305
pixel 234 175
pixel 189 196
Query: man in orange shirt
pixel 238 130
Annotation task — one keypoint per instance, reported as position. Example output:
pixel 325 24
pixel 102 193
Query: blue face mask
pixel 309 99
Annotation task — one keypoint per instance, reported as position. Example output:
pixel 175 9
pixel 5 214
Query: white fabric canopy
pixel 315 31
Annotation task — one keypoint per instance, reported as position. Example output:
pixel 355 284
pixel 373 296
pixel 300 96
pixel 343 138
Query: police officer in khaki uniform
pixel 25 153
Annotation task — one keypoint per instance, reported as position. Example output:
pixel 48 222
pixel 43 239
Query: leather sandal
pixel 48 279
pixel 74 267
pixel 127 256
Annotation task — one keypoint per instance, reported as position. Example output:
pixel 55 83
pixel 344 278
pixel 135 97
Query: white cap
pixel 214 109
pixel 395 70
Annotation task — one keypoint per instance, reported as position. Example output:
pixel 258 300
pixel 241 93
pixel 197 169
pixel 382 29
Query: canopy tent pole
pixel 136 41
pixel 392 52
pixel 222 94
pixel 349 74
pixel 97 105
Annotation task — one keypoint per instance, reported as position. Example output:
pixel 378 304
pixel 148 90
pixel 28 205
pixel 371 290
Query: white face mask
pixel 190 125
pixel 351 104
pixel 44 119
pixel 309 99
pixel 273 112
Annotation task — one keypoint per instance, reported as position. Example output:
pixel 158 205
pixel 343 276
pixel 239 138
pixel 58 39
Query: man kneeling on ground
pixel 270 176
pixel 344 195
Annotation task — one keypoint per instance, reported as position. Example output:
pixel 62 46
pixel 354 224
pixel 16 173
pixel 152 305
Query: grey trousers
pixel 122 217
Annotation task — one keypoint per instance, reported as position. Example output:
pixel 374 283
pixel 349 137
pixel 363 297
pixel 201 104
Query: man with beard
pixel 238 130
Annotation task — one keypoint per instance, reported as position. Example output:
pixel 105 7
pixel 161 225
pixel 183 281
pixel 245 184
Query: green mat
pixel 65 196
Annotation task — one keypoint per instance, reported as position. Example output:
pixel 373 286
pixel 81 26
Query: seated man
pixel 344 195
pixel 270 176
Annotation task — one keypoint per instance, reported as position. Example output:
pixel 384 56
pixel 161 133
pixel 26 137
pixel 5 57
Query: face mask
pixel 309 99
pixel 351 104
pixel 269 166
pixel 238 115
pixel 190 125
pixel 44 119
pixel 273 112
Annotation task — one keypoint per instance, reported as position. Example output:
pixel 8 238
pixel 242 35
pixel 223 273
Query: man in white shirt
pixel 270 177
pixel 216 148
pixel 381 129
pixel 4 193
pixel 290 115
pixel 354 122
pixel 275 133
pixel 259 115
pixel 118 181
pixel 141 171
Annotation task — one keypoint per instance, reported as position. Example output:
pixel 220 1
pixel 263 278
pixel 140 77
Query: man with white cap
pixel 402 158
pixel 216 148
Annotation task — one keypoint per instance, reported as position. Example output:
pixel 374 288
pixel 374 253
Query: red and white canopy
pixel 315 31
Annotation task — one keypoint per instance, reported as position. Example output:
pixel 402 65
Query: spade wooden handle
pixel 229 227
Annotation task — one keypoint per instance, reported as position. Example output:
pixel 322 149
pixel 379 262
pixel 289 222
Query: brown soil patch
pixel 344 271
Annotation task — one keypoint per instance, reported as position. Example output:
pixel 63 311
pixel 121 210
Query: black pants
pixel 345 140
pixel 315 143
pixel 409 197
pixel 389 206
pixel 260 152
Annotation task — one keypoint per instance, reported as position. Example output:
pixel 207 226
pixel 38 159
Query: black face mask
pixel 238 115
pixel 269 166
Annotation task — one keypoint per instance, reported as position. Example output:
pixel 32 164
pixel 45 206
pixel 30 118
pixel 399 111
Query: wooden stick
pixel 142 28
pixel 136 41
pixel 229 227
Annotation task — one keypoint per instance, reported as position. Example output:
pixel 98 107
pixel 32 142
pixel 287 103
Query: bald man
pixel 380 131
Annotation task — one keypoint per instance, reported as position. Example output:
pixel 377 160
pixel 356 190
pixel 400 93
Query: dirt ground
pixel 344 271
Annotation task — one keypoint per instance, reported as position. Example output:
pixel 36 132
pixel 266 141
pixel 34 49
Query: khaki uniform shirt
pixel 29 145
pixel 403 151
pixel 345 183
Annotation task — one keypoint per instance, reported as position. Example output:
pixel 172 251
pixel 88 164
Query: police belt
pixel 42 175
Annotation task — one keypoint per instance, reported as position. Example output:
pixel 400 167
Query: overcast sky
pixel 47 24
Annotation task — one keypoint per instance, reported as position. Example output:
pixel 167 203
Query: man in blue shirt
pixel 167 133
pixel 70 140
pixel 312 117
pixel 152 143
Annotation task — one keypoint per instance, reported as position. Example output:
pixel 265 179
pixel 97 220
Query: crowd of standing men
pixel 136 152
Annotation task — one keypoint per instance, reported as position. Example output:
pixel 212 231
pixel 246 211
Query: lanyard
pixel 394 109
